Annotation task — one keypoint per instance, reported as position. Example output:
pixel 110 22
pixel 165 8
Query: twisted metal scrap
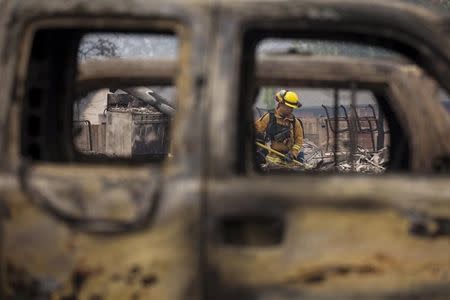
pixel 315 158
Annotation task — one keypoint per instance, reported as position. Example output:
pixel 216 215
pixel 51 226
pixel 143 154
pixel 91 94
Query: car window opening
pixel 131 122
pixel 324 123
pixel 326 129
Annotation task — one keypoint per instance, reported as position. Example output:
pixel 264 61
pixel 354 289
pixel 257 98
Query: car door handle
pixel 251 230
pixel 429 227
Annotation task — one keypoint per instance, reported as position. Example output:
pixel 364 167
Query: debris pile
pixel 364 161
pixel 135 110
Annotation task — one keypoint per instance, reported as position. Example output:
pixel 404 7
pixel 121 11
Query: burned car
pixel 206 221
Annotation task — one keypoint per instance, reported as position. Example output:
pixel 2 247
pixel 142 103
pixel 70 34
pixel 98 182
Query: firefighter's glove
pixel 289 157
pixel 260 137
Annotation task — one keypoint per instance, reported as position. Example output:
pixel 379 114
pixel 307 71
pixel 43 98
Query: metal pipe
pixel 149 96
pixel 353 129
pixel 336 125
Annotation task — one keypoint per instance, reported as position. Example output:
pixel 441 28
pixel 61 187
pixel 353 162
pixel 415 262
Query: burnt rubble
pixel 364 160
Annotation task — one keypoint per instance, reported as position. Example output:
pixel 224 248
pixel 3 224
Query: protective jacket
pixel 284 133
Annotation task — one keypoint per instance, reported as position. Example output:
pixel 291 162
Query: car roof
pixel 31 8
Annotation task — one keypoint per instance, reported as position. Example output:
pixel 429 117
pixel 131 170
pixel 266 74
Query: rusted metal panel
pixel 345 253
pixel 40 251
pixel 152 263
pixel 270 69
pixel 351 238
pixel 158 72
pixel 71 264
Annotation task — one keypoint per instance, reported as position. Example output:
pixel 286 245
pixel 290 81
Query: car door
pixel 83 226
pixel 327 236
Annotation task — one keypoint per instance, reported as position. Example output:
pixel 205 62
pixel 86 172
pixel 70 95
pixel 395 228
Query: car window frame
pixel 310 20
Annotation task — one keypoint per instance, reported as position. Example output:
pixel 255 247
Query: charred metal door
pixel 96 230
pixel 328 238
pixel 322 236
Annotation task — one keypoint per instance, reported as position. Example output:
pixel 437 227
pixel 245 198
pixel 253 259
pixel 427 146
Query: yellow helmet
pixel 289 98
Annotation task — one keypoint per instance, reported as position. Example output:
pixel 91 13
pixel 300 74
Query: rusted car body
pixel 313 237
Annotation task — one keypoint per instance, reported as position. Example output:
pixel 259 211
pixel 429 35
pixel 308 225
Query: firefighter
pixel 281 129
